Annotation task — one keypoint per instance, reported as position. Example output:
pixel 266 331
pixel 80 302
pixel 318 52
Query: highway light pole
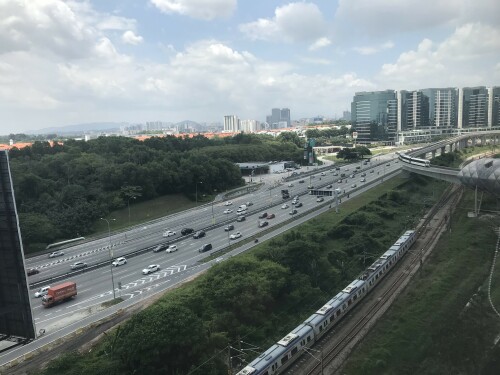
pixel 111 256
pixel 213 216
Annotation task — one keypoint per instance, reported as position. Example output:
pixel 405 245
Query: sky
pixel 72 62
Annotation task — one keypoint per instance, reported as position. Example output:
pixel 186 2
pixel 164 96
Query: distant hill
pixel 81 128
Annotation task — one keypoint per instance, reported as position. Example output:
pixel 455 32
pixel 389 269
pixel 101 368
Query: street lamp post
pixel 111 255
pixel 128 204
pixel 213 216
pixel 199 182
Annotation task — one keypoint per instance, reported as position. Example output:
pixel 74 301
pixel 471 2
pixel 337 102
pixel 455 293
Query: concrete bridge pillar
pixel 443 150
pixel 483 140
pixel 433 154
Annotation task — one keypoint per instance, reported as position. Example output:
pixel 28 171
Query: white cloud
pixel 387 17
pixel 200 9
pixel 370 50
pixel 294 22
pixel 129 37
pixel 465 58
pixel 116 23
pixel 320 43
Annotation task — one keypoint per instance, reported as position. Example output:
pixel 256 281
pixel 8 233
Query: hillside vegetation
pixel 62 190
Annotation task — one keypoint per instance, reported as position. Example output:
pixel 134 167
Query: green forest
pixel 63 189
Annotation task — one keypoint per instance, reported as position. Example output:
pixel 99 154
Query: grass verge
pixel 443 323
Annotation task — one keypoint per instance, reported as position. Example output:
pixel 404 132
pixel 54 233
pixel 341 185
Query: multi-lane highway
pixel 95 284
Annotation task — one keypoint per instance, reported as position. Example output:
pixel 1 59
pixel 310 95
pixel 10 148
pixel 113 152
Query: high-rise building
pixel 346 116
pixel 494 106
pixel 374 115
pixel 249 126
pixel 443 105
pixel 475 109
pixel 285 116
pixel 277 117
pixel 231 123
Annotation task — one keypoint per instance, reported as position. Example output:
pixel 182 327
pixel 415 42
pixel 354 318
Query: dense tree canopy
pixel 67 187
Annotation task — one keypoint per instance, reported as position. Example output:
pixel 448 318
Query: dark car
pixel 301 181
pixel 297 205
pixel 263 224
pixel 185 231
pixel 199 234
pixel 32 271
pixel 263 215
pixel 159 248
pixel 293 212
pixel 206 247
pixel 240 218
pixel 229 227
pixel 271 216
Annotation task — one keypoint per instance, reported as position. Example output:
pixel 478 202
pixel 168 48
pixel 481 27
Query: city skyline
pixel 70 62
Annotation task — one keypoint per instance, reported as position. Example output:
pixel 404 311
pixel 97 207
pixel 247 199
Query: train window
pixel 355 297
pixel 284 359
pixel 338 313
pixel 308 338
pixel 266 373
pixel 294 351
pixel 349 302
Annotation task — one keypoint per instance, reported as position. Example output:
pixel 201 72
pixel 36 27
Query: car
pixel 310 187
pixel 323 173
pixel 78 265
pixel 32 271
pixel 352 175
pixel 56 254
pixel 270 216
pixel 320 199
pixel 337 168
pixel 388 164
pixel 293 212
pixel 263 215
pixel 358 167
pixel 301 181
pixel 206 247
pixel 235 235
pixel 263 224
pixel 171 248
pixel 335 174
pixel 185 231
pixel 363 174
pixel 362 180
pixel 42 291
pixel 159 248
pixel 299 204
pixel 228 211
pixel 119 262
pixel 243 212
pixel 290 185
pixel 150 269
pixel 339 181
pixel 371 171
pixel 199 234
pixel 241 209
pixel 229 227
pixel 353 185
pixel 228 203
pixel 329 186
pixel 169 233
pixel 249 204
pixel 240 218
pixel 284 206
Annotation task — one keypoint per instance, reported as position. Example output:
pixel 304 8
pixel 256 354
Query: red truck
pixel 59 293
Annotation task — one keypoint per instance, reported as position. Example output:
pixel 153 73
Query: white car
pixel 150 269
pixel 228 203
pixel 168 233
pixel 228 211
pixel 42 291
pixel 235 235
pixel 290 185
pixel 323 173
pixel 171 248
pixel 284 206
pixel 119 262
pixel 56 254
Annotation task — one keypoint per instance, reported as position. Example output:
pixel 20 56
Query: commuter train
pixel 282 354
pixel 408 159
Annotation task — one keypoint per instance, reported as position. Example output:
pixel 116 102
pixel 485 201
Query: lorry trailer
pixel 59 293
